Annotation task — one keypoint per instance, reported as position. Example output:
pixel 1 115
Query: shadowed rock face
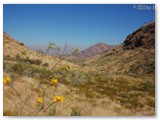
pixel 96 50
pixel 144 36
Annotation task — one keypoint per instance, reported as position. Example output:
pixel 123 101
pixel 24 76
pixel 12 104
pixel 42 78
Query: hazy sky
pixel 77 25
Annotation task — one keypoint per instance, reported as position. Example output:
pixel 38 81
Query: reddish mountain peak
pixel 96 49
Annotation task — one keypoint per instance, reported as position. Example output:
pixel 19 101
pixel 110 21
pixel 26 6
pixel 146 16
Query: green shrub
pixel 32 71
pixel 45 75
pixel 52 112
pixel 19 68
pixel 7 67
pixel 28 60
pixel 147 86
pixel 7 57
pixel 22 44
pixel 45 65
pixel 79 79
pixel 76 112
pixel 17 58
pixel 36 62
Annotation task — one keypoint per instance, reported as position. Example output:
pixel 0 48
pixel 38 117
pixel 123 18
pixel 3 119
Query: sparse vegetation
pixel 45 65
pixel 75 112
pixel 118 82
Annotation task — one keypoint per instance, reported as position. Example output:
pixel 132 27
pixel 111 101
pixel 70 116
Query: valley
pixel 113 81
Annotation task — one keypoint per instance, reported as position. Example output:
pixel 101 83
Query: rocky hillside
pixel 96 49
pixel 135 56
pixel 143 37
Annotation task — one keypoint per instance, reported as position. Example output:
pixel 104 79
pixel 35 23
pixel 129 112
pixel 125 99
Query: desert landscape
pixel 102 80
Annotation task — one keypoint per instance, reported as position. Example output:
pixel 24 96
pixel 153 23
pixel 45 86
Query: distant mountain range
pixel 96 49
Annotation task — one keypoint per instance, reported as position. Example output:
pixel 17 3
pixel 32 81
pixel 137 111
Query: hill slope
pixel 143 37
pixel 13 50
pixel 135 56
pixel 95 84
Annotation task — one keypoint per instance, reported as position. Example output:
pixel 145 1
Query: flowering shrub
pixel 58 98
pixel 40 100
pixel 6 80
pixel 30 68
pixel 54 81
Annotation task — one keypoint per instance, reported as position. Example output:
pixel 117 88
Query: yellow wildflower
pixel 54 81
pixel 40 100
pixel 58 98
pixel 6 80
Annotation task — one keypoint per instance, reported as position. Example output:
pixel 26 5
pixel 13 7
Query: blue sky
pixel 79 25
